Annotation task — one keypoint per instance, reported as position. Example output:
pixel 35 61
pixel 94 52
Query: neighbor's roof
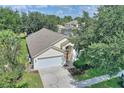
pixel 73 22
pixel 60 26
pixel 41 40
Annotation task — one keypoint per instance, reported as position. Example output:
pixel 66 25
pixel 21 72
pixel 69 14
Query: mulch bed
pixel 75 71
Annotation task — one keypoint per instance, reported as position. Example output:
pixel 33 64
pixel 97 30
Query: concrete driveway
pixel 56 77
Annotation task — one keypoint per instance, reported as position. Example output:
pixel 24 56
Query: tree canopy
pixel 10 67
pixel 29 22
pixel 101 38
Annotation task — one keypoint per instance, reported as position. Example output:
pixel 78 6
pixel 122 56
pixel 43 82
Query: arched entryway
pixel 68 53
pixel 69 56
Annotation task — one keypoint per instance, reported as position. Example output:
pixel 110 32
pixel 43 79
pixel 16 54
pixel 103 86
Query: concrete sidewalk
pixel 92 81
pixel 95 80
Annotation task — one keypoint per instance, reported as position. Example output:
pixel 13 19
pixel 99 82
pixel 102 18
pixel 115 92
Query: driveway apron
pixel 56 77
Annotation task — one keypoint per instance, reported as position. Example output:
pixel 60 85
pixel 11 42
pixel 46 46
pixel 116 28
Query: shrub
pixel 107 57
pixel 74 71
pixel 8 79
pixel 78 63
pixel 82 63
pixel 22 85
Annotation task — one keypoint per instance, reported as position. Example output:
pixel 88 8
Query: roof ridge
pixel 47 30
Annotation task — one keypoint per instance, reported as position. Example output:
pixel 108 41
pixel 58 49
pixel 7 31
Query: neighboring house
pixel 72 24
pixel 60 28
pixel 49 49
pixel 68 28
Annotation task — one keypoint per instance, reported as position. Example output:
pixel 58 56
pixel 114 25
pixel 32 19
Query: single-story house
pixel 72 24
pixel 60 28
pixel 49 49
pixel 67 28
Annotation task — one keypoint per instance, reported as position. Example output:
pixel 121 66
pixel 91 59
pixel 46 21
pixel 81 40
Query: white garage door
pixel 48 62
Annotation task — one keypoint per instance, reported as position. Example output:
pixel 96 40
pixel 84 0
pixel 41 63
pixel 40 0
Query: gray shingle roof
pixel 73 22
pixel 41 40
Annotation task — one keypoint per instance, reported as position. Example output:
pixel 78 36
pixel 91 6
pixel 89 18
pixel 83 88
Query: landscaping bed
pixel 85 71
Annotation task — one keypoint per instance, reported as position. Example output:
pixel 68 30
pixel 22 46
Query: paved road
pixel 56 77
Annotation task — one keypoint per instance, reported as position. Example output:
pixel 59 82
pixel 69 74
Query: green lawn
pixel 89 74
pixel 33 79
pixel 113 83
pixel 23 52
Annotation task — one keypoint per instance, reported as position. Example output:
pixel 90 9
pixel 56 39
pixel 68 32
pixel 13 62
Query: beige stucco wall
pixel 49 53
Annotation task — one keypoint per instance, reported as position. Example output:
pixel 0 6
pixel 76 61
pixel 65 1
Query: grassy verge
pixel 113 83
pixel 23 53
pixel 89 74
pixel 33 79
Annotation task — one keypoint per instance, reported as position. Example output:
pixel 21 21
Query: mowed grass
pixel 91 73
pixel 23 52
pixel 33 79
pixel 113 83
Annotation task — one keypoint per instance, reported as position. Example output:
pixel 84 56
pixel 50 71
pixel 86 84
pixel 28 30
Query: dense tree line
pixel 102 39
pixel 29 22
pixel 11 69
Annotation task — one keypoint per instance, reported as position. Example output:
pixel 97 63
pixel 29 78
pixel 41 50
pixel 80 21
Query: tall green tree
pixel 84 36
pixel 9 50
pixel 10 67
pixel 105 50
pixel 35 21
pixel 27 22
pixel 67 19
pixel 9 19
pixel 110 20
